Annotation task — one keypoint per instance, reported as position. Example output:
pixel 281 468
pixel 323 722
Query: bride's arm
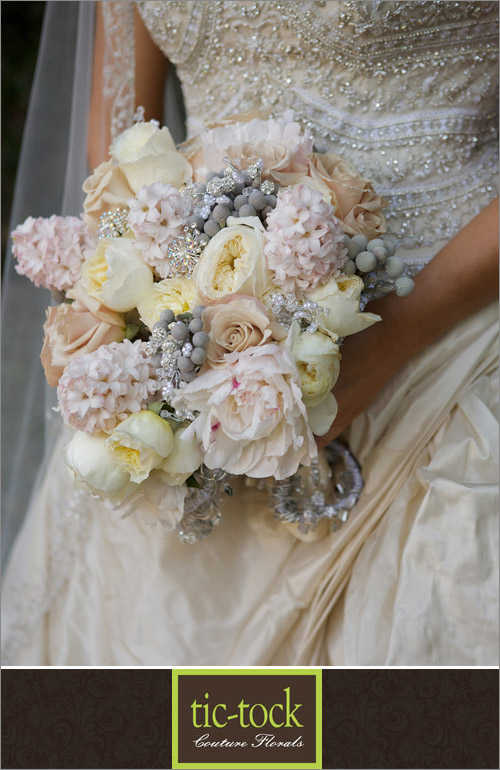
pixel 150 73
pixel 460 280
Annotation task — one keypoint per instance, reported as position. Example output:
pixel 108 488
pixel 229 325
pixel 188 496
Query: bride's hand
pixel 368 362
pixel 460 280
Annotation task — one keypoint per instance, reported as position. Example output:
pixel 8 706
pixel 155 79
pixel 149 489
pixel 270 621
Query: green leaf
pixel 131 330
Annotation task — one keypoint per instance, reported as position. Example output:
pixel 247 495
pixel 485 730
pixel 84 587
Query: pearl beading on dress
pixel 405 90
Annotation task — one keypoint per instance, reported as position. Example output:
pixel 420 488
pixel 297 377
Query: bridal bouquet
pixel 203 298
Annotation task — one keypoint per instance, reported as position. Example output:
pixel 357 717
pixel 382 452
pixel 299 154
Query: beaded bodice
pixel 406 90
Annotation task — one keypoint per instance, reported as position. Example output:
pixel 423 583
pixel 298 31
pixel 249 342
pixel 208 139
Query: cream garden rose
pixel 317 358
pixel 140 443
pixel 233 325
pixel 341 297
pixel 116 274
pixel 92 462
pixel 147 154
pixel 252 419
pixel 233 262
pixel 178 294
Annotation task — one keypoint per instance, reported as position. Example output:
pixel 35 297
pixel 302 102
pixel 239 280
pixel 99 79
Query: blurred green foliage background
pixel 21 24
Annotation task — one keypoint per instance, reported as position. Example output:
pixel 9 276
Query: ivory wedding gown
pixel 406 91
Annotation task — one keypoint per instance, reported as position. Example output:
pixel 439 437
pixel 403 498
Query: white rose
pixel 92 462
pixel 147 154
pixel 185 458
pixel 116 274
pixel 341 297
pixel 233 262
pixel 140 443
pixel 317 358
pixel 178 294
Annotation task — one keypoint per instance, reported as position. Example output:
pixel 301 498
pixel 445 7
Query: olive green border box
pixel 317 673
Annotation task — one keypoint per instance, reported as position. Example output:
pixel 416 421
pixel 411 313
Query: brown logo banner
pixel 377 718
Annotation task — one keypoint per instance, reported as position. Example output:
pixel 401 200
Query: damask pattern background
pixel 86 718
pixel 411 718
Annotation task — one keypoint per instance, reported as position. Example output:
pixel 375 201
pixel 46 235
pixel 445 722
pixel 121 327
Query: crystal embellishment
pixel 202 508
pixel 405 90
pixel 183 254
pixel 287 308
pixel 305 500
pixel 113 224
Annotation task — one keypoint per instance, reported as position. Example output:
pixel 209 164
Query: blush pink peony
pixel 304 240
pixel 281 144
pixel 252 417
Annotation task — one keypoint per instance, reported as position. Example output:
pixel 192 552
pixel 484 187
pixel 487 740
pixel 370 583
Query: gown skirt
pixel 410 579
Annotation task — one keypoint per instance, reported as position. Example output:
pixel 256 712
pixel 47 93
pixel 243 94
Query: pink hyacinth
pixel 304 240
pixel 99 389
pixel 50 251
pixel 158 215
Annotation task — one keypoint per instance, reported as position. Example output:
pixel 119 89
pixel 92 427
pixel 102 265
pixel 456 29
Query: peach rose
pixel 356 203
pixel 107 188
pixel 72 330
pixel 235 324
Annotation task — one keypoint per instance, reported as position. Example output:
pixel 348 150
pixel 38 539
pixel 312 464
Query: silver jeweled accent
pixel 267 187
pixel 174 370
pixel 287 308
pixel 178 415
pixel 139 114
pixel 254 171
pixel 184 253
pixel 218 186
pixel 305 499
pixel 113 224
pixel 202 508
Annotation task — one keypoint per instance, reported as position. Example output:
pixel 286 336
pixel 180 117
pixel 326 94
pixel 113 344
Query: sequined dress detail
pixel 405 90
